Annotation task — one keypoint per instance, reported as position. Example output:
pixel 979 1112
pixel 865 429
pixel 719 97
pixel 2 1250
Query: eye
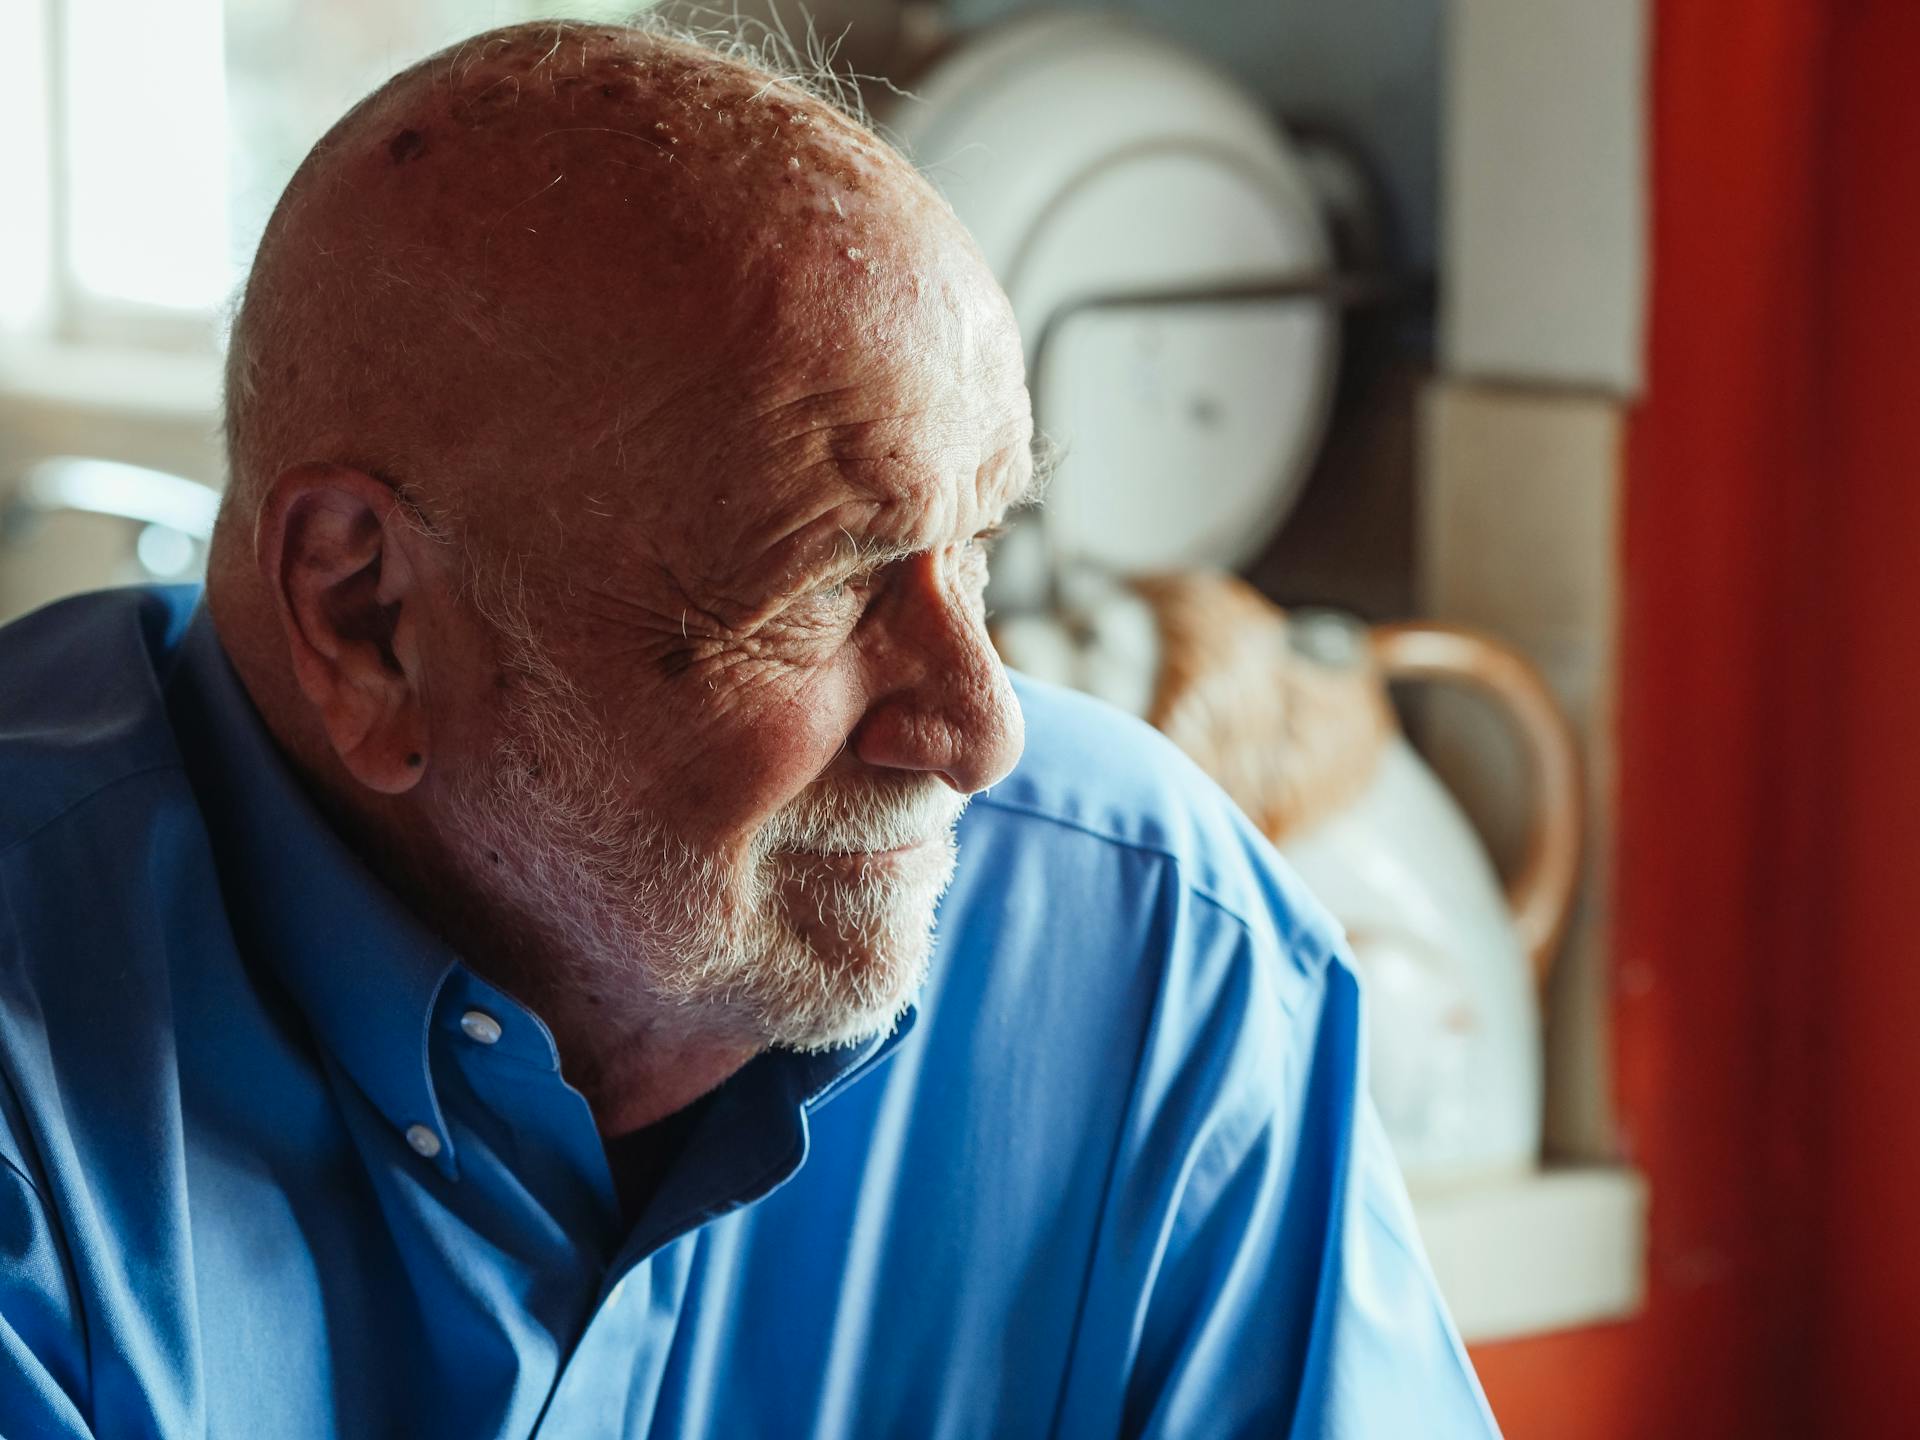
pixel 836 599
pixel 977 551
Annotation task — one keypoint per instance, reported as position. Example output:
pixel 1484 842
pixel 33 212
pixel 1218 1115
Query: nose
pixel 944 704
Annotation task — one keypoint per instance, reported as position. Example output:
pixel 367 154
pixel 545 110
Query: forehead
pixel 898 415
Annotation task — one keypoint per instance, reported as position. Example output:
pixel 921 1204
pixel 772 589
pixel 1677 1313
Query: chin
pixel 848 945
pixel 841 1021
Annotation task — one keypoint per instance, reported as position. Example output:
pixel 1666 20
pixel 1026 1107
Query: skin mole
pixel 405 146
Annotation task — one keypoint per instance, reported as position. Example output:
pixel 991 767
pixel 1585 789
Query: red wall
pixel 1867 1301
pixel 1767 999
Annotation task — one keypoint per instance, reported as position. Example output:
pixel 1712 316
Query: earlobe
pixel 336 553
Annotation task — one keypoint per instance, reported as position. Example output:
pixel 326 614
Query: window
pixel 157 137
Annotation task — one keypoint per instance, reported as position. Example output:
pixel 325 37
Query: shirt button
pixel 481 1027
pixel 423 1141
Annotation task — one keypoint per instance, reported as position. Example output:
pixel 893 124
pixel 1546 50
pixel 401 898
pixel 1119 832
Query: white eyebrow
pixel 872 554
pixel 864 553
pixel 1046 454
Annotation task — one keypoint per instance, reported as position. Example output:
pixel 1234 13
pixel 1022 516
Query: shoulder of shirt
pixel 1094 772
pixel 82 708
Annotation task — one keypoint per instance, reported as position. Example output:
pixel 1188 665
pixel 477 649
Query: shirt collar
pixel 360 966
pixel 754 1136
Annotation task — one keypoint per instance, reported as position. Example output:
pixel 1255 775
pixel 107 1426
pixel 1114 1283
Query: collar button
pixel 480 1027
pixel 424 1142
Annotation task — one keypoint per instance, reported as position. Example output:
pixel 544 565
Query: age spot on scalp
pixel 405 146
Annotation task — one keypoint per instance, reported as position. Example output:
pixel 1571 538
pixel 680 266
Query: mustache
pixel 837 820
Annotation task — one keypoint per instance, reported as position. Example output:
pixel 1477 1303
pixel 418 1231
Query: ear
pixel 344 564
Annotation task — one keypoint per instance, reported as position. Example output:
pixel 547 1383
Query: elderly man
pixel 474 975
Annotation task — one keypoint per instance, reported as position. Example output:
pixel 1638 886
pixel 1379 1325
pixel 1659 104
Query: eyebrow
pixel 863 552
pixel 1046 453
pixel 860 552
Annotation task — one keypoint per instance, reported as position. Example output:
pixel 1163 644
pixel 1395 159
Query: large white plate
pixel 1089 157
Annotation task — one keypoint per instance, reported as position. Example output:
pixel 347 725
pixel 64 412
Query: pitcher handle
pixel 1540 894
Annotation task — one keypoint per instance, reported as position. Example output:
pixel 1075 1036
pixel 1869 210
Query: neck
pixel 634 1075
pixel 633 1064
pixel 633 1058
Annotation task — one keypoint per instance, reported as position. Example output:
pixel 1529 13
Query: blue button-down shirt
pixel 265 1169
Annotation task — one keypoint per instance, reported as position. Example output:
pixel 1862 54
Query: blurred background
pixel 1489 446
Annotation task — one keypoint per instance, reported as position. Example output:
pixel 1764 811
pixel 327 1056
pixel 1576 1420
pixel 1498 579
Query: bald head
pixel 497 268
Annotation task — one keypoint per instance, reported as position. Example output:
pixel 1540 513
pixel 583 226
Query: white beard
pixel 777 945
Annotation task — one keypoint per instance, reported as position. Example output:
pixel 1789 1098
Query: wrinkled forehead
pixel 897 411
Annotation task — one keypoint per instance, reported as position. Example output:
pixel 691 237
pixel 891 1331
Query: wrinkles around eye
pixel 843 599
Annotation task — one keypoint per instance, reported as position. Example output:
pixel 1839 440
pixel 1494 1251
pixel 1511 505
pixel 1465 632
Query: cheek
pixel 730 762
